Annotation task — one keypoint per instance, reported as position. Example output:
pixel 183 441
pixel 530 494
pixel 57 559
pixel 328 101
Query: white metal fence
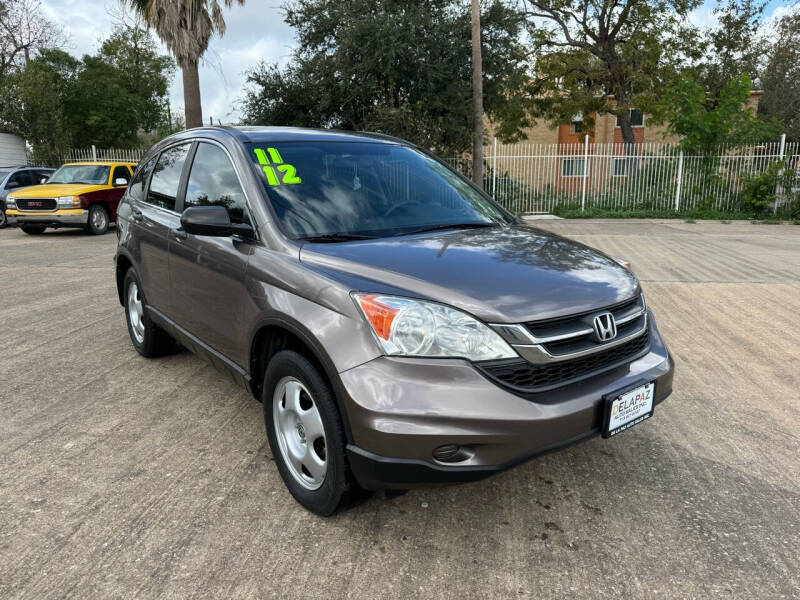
pixel 93 154
pixel 538 178
pixel 115 154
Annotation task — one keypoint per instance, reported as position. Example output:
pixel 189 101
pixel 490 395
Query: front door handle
pixel 179 234
pixel 137 214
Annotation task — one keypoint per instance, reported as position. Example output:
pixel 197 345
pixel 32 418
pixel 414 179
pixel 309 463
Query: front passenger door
pixel 208 273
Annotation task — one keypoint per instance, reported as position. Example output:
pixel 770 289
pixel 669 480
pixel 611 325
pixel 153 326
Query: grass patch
pixel 572 212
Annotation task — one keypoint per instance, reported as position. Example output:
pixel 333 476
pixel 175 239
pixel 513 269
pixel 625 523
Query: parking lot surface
pixel 125 477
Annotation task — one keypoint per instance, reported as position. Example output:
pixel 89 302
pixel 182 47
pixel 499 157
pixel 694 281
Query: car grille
pixel 528 378
pixel 566 335
pixel 37 204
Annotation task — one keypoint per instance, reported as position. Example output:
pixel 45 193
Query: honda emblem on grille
pixel 605 327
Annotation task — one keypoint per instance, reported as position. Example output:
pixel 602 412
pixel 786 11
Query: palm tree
pixel 186 27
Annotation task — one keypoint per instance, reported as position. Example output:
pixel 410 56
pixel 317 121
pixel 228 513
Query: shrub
pixel 758 191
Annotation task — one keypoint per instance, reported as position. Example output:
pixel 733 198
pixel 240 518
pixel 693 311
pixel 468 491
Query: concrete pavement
pixel 123 477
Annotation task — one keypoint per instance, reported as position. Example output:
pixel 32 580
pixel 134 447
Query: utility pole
pixel 477 96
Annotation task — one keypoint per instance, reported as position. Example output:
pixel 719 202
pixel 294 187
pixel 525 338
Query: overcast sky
pixel 255 31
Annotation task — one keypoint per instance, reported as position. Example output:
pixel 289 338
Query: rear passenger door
pixel 208 273
pixel 154 197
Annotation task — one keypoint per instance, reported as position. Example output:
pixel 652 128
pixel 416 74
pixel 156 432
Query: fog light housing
pixel 451 453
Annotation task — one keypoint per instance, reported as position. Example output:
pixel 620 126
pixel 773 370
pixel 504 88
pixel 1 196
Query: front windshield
pixel 363 189
pixel 88 174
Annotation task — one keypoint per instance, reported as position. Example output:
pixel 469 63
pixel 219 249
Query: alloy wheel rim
pixel 98 219
pixel 136 312
pixel 300 433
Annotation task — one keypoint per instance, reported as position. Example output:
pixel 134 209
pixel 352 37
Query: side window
pixel 167 177
pixel 121 172
pixel 18 180
pixel 213 182
pixel 137 186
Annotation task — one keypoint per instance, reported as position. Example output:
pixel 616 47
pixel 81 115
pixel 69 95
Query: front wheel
pixel 147 337
pixel 305 432
pixel 98 220
pixel 3 219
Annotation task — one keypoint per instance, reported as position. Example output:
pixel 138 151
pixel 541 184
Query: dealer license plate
pixel 625 409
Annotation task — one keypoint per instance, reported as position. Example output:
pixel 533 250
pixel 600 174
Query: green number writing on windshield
pixel 275 163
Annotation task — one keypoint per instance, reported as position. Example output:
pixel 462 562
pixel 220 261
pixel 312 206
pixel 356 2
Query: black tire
pixel 98 220
pixel 33 229
pixel 326 499
pixel 154 341
pixel 3 219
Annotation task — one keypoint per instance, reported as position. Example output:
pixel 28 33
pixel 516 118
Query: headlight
pixel 69 202
pixel 11 202
pixel 406 327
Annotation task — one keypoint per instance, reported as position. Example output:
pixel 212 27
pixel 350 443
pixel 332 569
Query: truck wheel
pixel 98 220
pixel 148 338
pixel 305 432
pixel 3 219
pixel 33 229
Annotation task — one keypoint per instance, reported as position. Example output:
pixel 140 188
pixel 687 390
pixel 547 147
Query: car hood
pixel 500 274
pixel 54 190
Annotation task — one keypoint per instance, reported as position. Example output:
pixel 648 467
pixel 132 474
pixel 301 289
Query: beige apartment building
pixel 558 151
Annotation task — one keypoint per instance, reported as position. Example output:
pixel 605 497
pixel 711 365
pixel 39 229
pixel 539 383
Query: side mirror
pixel 120 181
pixel 212 221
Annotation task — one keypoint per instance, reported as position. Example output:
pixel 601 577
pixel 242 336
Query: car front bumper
pixel 74 217
pixel 400 410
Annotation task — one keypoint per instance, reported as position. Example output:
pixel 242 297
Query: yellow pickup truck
pixel 81 194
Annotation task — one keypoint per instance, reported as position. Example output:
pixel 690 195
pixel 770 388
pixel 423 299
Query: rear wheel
pixel 33 229
pixel 305 432
pixel 147 337
pixel 98 220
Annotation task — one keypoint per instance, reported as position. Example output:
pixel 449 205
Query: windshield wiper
pixel 470 225
pixel 334 237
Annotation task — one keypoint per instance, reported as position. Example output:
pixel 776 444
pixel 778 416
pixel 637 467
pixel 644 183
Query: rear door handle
pixel 179 234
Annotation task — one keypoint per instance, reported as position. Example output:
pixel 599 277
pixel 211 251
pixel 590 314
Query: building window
pixel 620 167
pixel 573 167
pixel 576 127
pixel 637 117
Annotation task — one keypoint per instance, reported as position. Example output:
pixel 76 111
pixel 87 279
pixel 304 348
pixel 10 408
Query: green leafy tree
pixel 145 73
pixel 706 122
pixel 120 91
pixel 780 76
pixel 35 101
pixel 732 47
pixel 606 56
pixel 397 67
pixel 24 32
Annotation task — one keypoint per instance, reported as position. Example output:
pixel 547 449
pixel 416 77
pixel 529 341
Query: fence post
pixel 778 186
pixel 680 182
pixel 585 170
pixel 94 153
pixel 494 168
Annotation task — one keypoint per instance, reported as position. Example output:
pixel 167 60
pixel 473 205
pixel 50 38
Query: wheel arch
pixel 123 264
pixel 274 334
